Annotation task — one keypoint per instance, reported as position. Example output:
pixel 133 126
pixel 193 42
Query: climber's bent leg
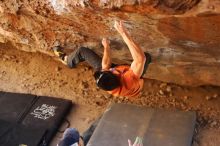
pixel 84 54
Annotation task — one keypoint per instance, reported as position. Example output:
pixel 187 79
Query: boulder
pixel 182 35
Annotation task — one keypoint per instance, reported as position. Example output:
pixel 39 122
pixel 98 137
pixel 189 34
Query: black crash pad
pixel 157 127
pixel 29 119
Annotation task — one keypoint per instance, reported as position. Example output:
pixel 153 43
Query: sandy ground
pixel 39 74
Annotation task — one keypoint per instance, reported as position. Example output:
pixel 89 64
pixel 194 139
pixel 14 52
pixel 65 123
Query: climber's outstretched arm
pixel 106 59
pixel 137 54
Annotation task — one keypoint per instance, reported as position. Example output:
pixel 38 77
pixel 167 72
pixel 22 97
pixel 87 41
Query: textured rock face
pixel 183 36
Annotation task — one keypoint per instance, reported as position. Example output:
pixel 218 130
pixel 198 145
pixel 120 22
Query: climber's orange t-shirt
pixel 131 84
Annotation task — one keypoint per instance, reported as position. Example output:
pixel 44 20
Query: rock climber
pixel 118 80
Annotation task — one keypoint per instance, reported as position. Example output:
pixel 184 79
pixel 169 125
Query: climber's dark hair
pixel 106 80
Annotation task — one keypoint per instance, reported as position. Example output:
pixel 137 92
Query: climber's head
pixel 106 80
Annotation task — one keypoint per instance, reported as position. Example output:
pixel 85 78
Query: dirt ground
pixel 40 74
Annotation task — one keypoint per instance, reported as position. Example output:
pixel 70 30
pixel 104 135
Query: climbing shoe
pixel 147 62
pixel 58 51
pixel 148 58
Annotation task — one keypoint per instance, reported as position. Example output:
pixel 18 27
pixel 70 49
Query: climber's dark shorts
pixel 94 60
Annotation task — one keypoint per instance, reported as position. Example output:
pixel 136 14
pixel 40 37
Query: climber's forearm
pixel 137 66
pixel 136 51
pixel 106 60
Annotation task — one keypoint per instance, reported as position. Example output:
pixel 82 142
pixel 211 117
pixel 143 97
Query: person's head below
pixel 71 137
pixel 106 80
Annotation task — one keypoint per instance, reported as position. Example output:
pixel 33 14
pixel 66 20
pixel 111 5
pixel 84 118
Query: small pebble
pixel 57 69
pixel 161 92
pixel 85 93
pixel 163 85
pixel 215 95
pixel 107 96
pixel 211 7
pixel 6 57
pixel 168 89
pixel 98 96
pixel 208 97
pixel 213 124
pixel 186 97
